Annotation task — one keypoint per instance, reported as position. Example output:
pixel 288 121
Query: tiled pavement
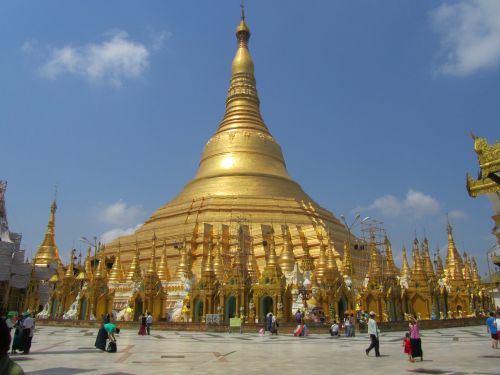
pixel 70 351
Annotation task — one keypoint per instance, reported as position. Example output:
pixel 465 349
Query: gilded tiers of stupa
pixel 242 179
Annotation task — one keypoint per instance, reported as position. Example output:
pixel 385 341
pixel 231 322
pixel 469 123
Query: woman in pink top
pixel 415 341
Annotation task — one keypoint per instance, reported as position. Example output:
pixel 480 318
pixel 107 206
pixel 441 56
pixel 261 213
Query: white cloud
pixel 120 214
pixel 456 215
pixel 113 234
pixel 112 61
pixel 159 39
pixel 415 203
pixel 470 35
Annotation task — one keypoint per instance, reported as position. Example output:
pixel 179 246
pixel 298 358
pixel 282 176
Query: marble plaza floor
pixel 70 351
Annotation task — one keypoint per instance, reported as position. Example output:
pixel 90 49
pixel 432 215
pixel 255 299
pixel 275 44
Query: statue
pixel 45 313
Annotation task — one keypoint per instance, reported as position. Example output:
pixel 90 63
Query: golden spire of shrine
pixel 331 263
pixel 151 270
pixel 427 262
pixel 347 268
pixel 374 270
pixel 454 262
pixel 390 270
pixel 252 266
pixel 219 260
pixel 116 275
pixel 163 272
pixel 70 272
pixel 475 272
pixel 321 262
pixel 48 252
pixel 287 258
pixel 88 265
pixel 405 269
pixel 272 259
pixel 467 270
pixel 209 262
pixel 439 265
pixel 101 272
pixel 417 271
pixel 134 273
pixel 183 269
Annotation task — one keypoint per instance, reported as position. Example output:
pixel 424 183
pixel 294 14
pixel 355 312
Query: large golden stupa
pixel 242 179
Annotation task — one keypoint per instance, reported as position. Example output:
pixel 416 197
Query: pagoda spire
pixel 116 275
pixel 101 272
pixel 467 270
pixel 287 258
pixel 439 265
pixel 475 273
pixel 219 260
pixel 134 271
pixel 417 271
pixel 163 272
pixel 209 262
pixel 331 263
pixel 183 269
pixel 405 269
pixel 374 271
pixel 70 272
pixel 347 268
pixel 252 266
pixel 454 262
pixel 429 270
pixel 151 270
pixel 88 265
pixel 321 264
pixel 272 260
pixel 48 252
pixel 391 271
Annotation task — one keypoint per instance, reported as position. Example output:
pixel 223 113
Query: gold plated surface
pixel 48 252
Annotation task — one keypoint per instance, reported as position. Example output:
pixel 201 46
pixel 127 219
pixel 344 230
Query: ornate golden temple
pixel 243 239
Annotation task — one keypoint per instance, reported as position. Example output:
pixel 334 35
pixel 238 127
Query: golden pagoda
pixel 242 173
pixel 48 253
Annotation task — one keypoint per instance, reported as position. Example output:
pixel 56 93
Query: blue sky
pixel 372 103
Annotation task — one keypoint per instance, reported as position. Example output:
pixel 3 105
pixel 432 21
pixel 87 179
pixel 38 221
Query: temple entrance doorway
pixel 198 311
pixel 83 309
pixel 138 306
pixel 230 308
pixel 341 308
pixel 266 306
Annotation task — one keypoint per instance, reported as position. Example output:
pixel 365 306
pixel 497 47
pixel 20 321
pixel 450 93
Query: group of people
pixel 7 365
pixel 146 322
pixel 23 326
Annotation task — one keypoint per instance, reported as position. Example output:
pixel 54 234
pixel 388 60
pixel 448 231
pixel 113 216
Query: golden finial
pixel 218 259
pixel 287 258
pixel 209 262
pixel 405 269
pixel 454 263
pixel 134 271
pixel 116 274
pixel 374 271
pixel 102 271
pixel 347 268
pixel 439 265
pixel 48 252
pixel 475 272
pixel 183 269
pixel 429 270
pixel 391 269
pixel 151 270
pixel 70 272
pixel 252 266
pixel 321 262
pixel 163 272
pixel 331 263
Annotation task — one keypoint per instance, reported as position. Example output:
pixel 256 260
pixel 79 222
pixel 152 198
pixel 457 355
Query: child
pixel 407 347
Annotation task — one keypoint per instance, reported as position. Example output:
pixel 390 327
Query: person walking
pixel 142 328
pixel 407 346
pixel 491 327
pixel 274 325
pixel 28 331
pixel 269 321
pixel 374 332
pixel 347 326
pixel 415 340
pixel 352 321
pixel 17 342
pixel 149 322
